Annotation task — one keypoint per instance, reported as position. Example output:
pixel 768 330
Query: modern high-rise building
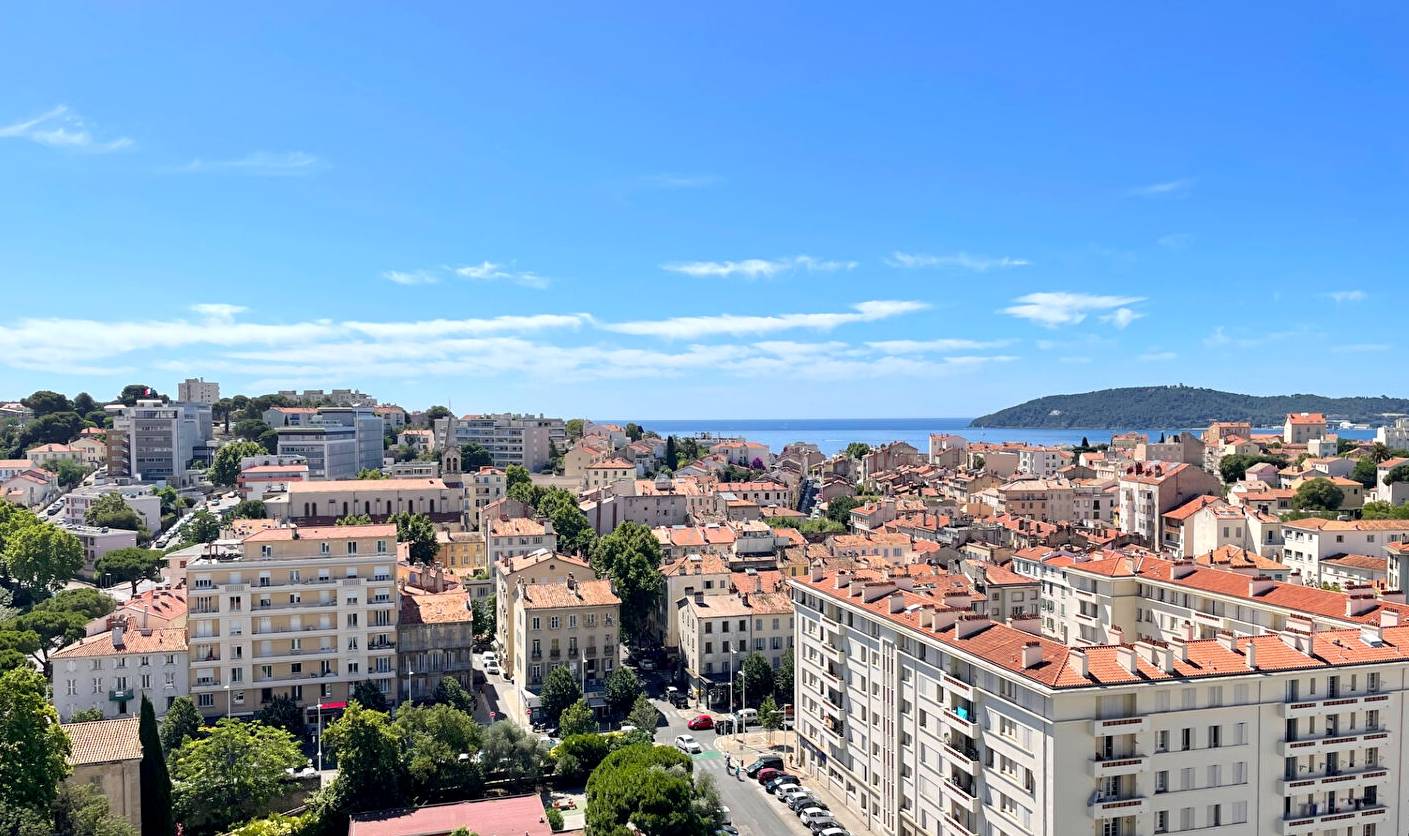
pixel 305 613
pixel 524 440
pixel 155 441
pixel 198 390
pixel 337 441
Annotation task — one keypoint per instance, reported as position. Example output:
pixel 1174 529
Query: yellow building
pixel 462 552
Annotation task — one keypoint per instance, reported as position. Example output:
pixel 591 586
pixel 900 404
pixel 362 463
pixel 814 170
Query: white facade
pixel 112 671
pixel 154 441
pixel 198 390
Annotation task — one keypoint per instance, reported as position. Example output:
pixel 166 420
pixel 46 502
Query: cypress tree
pixel 156 782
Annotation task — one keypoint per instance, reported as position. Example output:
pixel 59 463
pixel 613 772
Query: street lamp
pixel 227 700
pixel 320 736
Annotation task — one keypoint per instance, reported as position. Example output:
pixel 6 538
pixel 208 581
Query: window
pixel 1186 739
pixel 1161 821
pixel 205 700
pixel 1162 781
pixel 1215 737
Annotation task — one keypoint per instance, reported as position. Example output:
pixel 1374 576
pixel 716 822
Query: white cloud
pixel 1121 317
pixel 1340 296
pixel 937 346
pixel 1175 240
pixel 1156 356
pixel 60 127
pixel 962 260
pixel 489 271
pixel 412 278
pixel 1167 188
pixel 1051 309
pixel 260 164
pixel 1220 338
pixel 756 268
pixel 218 310
pixel 695 327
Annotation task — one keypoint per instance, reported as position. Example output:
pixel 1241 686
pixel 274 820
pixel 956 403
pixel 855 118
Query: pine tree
pixel 156 782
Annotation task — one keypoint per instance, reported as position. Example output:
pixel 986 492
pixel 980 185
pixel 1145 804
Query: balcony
pixel 1346 779
pixel 964 755
pixel 1338 742
pixel 1346 817
pixel 590 652
pixel 535 655
pixel 1309 708
pixel 307 628
pixel 555 654
pixel 961 795
pixel 380 647
pixel 121 695
pixel 291 605
pixel 296 653
pixel 1103 807
pixel 572 653
pixel 1120 725
pixel 294 678
pixel 952 824
pixel 1114 766
pixel 961 722
pixel 958 686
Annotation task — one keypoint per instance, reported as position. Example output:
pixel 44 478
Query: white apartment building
pixel 573 623
pixel 525 440
pixel 140 498
pixel 113 670
pixel 719 632
pixel 482 487
pixel 928 721
pixel 154 441
pixel 706 573
pixel 517 536
pixel 1395 436
pixel 1395 493
pixel 305 613
pixel 1148 490
pixel 1308 542
pixel 540 567
pixel 198 390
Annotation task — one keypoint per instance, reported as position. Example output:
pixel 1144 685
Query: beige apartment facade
pixel 305 613
pixel 573 623
pixel 541 567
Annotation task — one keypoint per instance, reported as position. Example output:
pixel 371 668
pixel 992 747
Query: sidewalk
pixel 750 745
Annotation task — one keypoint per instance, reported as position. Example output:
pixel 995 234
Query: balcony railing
pixel 120 695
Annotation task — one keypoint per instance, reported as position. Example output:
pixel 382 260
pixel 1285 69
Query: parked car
pixel 688 745
pixel 780 781
pixel 804 801
pixel 834 831
pixel 675 696
pixel 703 722
pixel 724 725
pixel 747 715
pixel 727 829
pixel 764 762
pixel 767 774
pixel 826 822
pixel 788 792
pixel 647 664
pixel 818 818
pixel 491 666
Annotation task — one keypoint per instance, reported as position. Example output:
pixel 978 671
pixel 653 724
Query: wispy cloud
pixel 672 180
pixel 1121 317
pixel 1340 296
pixel 1220 338
pixel 696 327
pixel 259 164
pixel 1167 188
pixel 961 260
pixel 218 310
pixel 1360 348
pixel 1175 241
pixel 489 271
pixel 60 127
pixel 1052 309
pixel 413 277
pixel 757 268
pixel 1156 356
pixel 936 346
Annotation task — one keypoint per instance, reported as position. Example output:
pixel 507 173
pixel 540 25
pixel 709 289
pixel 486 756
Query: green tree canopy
pixel 573 428
pixel 516 474
pixel 34 747
pixel 450 692
pixel 249 509
pixel 473 456
pixel 55 428
pixel 225 467
pixel 370 473
pixel 630 556
pixel 648 787
pixel 511 753
pixel 369 695
pixel 45 402
pixel 770 716
pixel 90 603
pixel 419 532
pixel 1364 472
pixel 623 687
pixel 433 739
pixel 17 647
pixel 132 565
pixel 110 510
pixel 484 618
pixel 282 712
pixel 1379 510
pixel 41 556
pixel 756 679
pixel 1398 473
pixel 839 509
pixel 575 534
pixel 181 723
pixel 69 473
pixel 577 719
pixel 560 690
pixel 228 774
pixel 354 519
pixel 643 714
pixel 1318 495
pixel 1232 468
pixel 437 412
pixel 202 527
pixel 783 679
pixel 371 774
pixel 857 449
pixel 133 392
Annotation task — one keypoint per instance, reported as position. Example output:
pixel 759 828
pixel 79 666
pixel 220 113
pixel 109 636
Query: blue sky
pixel 745 210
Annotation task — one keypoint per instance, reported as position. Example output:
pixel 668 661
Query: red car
pixel 704 722
pixel 766 775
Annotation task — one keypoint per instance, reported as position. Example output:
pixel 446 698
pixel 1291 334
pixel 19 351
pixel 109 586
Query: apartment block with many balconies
pixel 305 613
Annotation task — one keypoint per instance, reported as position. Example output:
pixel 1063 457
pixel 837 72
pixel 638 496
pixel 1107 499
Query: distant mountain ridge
pixel 1181 406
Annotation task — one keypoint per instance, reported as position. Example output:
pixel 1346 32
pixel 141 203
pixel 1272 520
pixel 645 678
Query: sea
pixel 833 434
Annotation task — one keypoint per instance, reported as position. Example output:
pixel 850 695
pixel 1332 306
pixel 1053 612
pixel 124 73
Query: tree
pixel 1364 472
pixel 86 715
pixel 354 519
pixel 633 430
pixel 644 714
pixel 17 647
pixel 450 692
pixel 857 449
pixel 45 402
pixel 370 771
pixel 249 509
pixel 573 427
pixel 83 403
pixel 133 392
pixel 1398 473
pixel 181 723
pixel 435 413
pixel 110 510
pixel 516 475
pixel 1379 510
pixel 42 556
pixel 132 565
pixel 55 428
pixel 577 719
pixel 434 739
pixel 369 695
pixel 69 473
pixel 473 456
pixel 630 556
pixel 55 628
pixel 783 679
pixel 756 679
pixel 370 473
pixel 560 690
pixel 1234 467
pixel 839 509
pixel 250 429
pixel 156 782
pixel 770 716
pixel 225 467
pixel 484 618
pixel 1318 495
pixel 979 463
pixel 671 453
pixel 622 690
pixel 35 747
pixel 575 534
pixel 230 773
pixel 90 603
pixel 648 787
pixel 419 531
pixel 202 527
pixel 510 753
pixel 757 463
pixel 555 820
pixel 281 712
pixel 83 810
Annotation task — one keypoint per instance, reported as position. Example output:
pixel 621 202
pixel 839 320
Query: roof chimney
pixel 118 640
pixel 843 578
pixel 1225 638
pixel 1250 654
pixel 1032 654
pixel 818 572
pixel 1389 617
pixel 1359 599
pixel 1125 657
pixel 1371 635
pixel 1179 649
pixel 1077 657
pixel 1115 635
pixel 969 625
pixel 1393 596
pixel 1260 586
